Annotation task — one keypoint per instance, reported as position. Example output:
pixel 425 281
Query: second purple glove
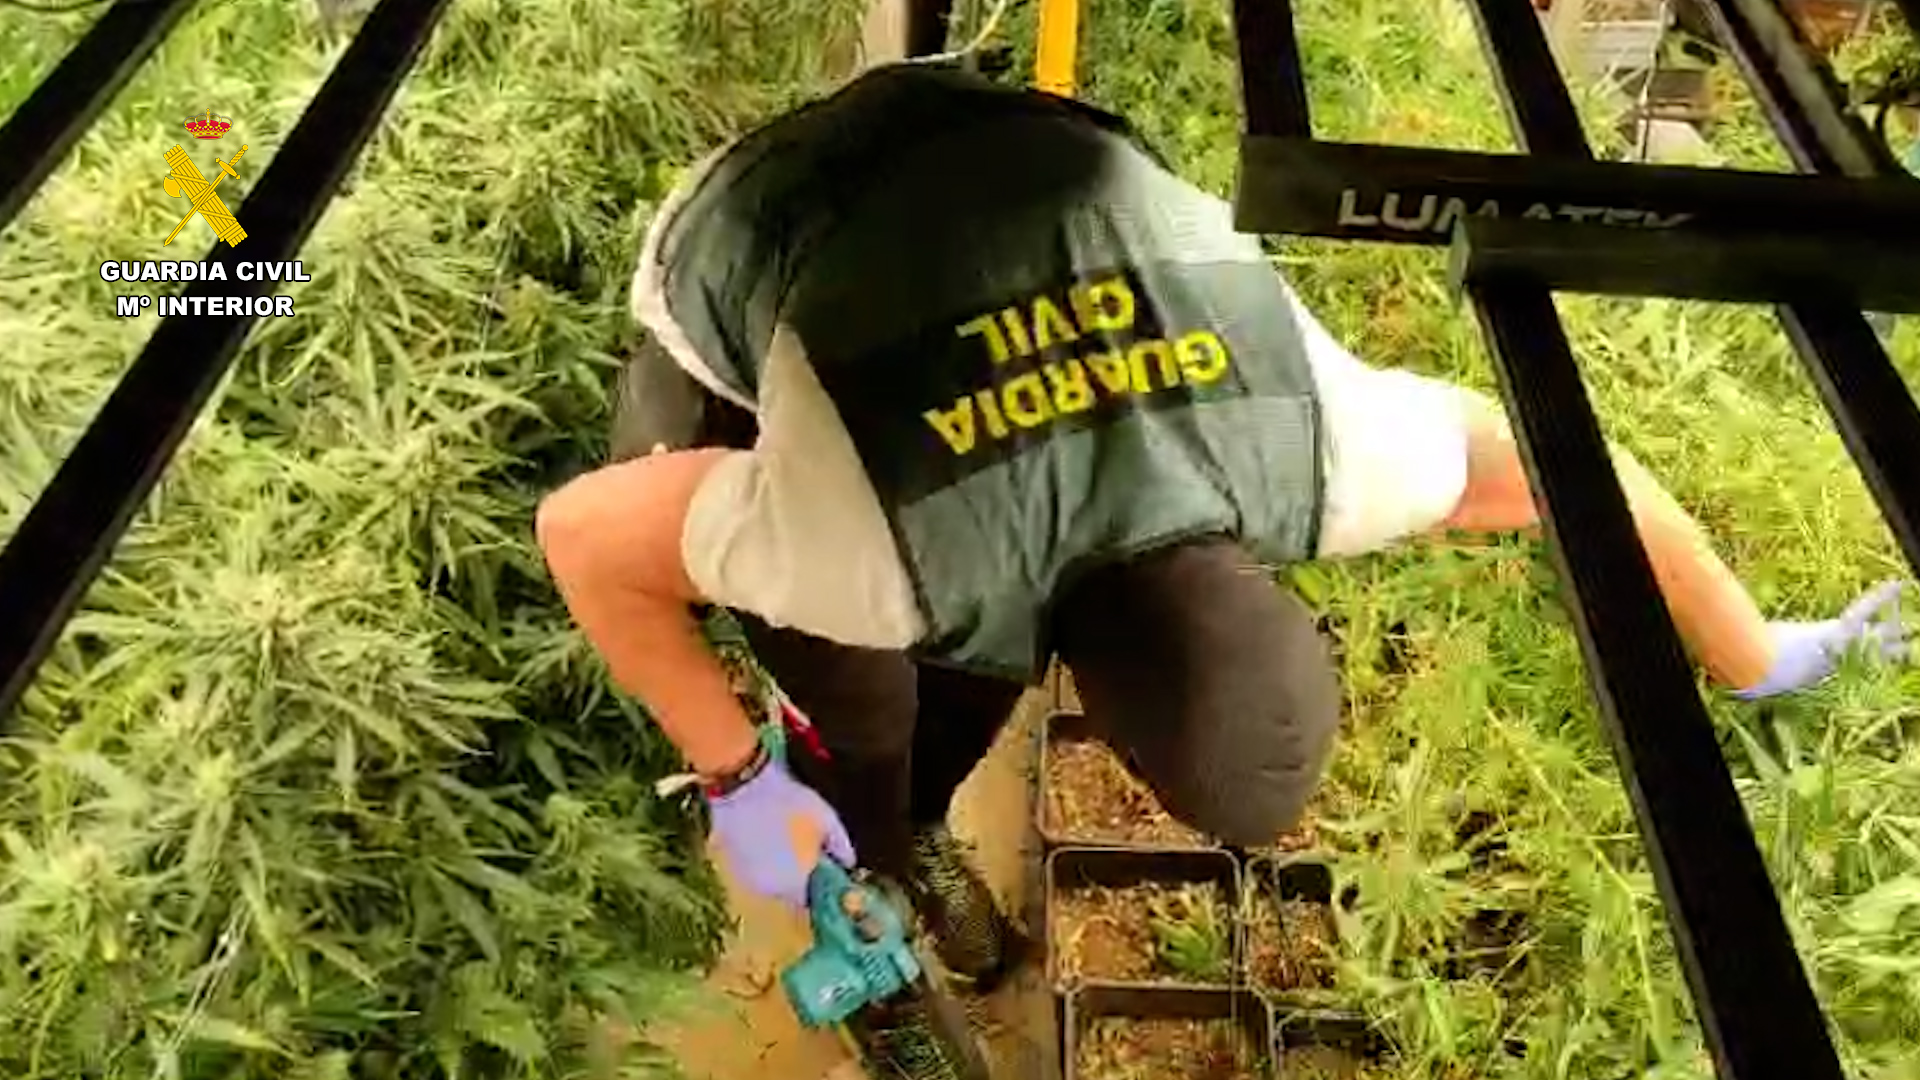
pixel 1807 652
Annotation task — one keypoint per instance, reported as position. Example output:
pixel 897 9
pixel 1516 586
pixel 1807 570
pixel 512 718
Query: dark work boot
pixel 972 938
pixel 922 1034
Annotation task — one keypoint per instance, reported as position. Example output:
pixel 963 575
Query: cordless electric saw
pixel 861 953
pixel 864 975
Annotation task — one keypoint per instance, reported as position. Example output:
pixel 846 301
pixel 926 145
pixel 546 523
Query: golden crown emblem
pixel 209 126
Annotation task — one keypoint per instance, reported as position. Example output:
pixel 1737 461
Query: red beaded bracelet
pixel 739 776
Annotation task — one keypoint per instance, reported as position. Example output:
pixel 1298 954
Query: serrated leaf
pixel 469 912
pixel 498 1020
pixel 345 960
pixel 228 1033
pixel 483 804
pixel 286 745
pixel 546 762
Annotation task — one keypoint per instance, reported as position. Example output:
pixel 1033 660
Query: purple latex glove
pixel 1807 652
pixel 752 828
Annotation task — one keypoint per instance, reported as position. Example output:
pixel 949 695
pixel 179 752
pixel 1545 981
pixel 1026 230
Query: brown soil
pixel 1108 934
pixel 1302 837
pixel 1328 1063
pixel 1092 797
pixel 1162 1049
pixel 1289 944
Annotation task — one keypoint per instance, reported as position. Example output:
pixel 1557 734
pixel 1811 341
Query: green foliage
pixel 1190 933
pixel 321 783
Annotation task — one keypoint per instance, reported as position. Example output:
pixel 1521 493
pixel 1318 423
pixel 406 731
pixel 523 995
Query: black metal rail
pixel 60 547
pixel 1759 1014
pixel 65 104
pixel 1689 266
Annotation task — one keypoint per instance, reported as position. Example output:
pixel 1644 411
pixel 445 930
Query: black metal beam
pixel 1540 110
pixel 1797 91
pixel 1869 403
pixel 1292 185
pixel 1760 1017
pixel 1758 1010
pixel 42 130
pixel 1273 85
pixel 1723 269
pixel 68 535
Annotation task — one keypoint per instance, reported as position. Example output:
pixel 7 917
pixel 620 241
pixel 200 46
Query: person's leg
pixel 960 716
pixel 1210 681
pixel 898 743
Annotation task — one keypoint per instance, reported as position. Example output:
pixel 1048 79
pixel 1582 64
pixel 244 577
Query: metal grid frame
pixel 72 529
pixel 1819 244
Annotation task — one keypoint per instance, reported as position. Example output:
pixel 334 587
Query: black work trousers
pixel 900 736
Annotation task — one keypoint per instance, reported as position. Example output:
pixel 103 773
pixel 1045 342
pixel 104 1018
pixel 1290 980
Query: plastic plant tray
pixel 1067 726
pixel 1275 879
pixel 1245 1009
pixel 1302 1034
pixel 1073 868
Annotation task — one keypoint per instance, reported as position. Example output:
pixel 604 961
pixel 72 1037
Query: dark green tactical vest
pixel 1049 351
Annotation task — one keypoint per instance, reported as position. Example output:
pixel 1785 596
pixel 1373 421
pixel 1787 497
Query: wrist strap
pixel 718 787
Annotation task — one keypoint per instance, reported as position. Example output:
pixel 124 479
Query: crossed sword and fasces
pixel 186 180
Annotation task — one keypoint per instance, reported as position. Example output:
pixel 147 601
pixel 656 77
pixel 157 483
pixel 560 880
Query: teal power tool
pixel 861 953
pixel 864 976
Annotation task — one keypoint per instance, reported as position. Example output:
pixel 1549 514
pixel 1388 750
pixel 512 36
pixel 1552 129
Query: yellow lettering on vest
pixel 1203 356
pixel 1110 303
pixel 1017 331
pixel 1050 325
pixel 1111 369
pixel 996 344
pixel 1071 394
pixel 1162 357
pixel 1025 400
pixel 990 410
pixel 1103 306
pixel 955 425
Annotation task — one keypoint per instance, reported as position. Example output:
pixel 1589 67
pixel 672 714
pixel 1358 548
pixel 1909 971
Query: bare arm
pixel 612 540
pixel 1717 619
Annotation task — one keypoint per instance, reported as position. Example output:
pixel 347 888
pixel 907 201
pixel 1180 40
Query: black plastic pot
pixel 1073 868
pixel 1276 879
pixel 1305 1033
pixel 1242 1008
pixel 1066 726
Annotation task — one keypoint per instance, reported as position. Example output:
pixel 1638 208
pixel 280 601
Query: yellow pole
pixel 1053 65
